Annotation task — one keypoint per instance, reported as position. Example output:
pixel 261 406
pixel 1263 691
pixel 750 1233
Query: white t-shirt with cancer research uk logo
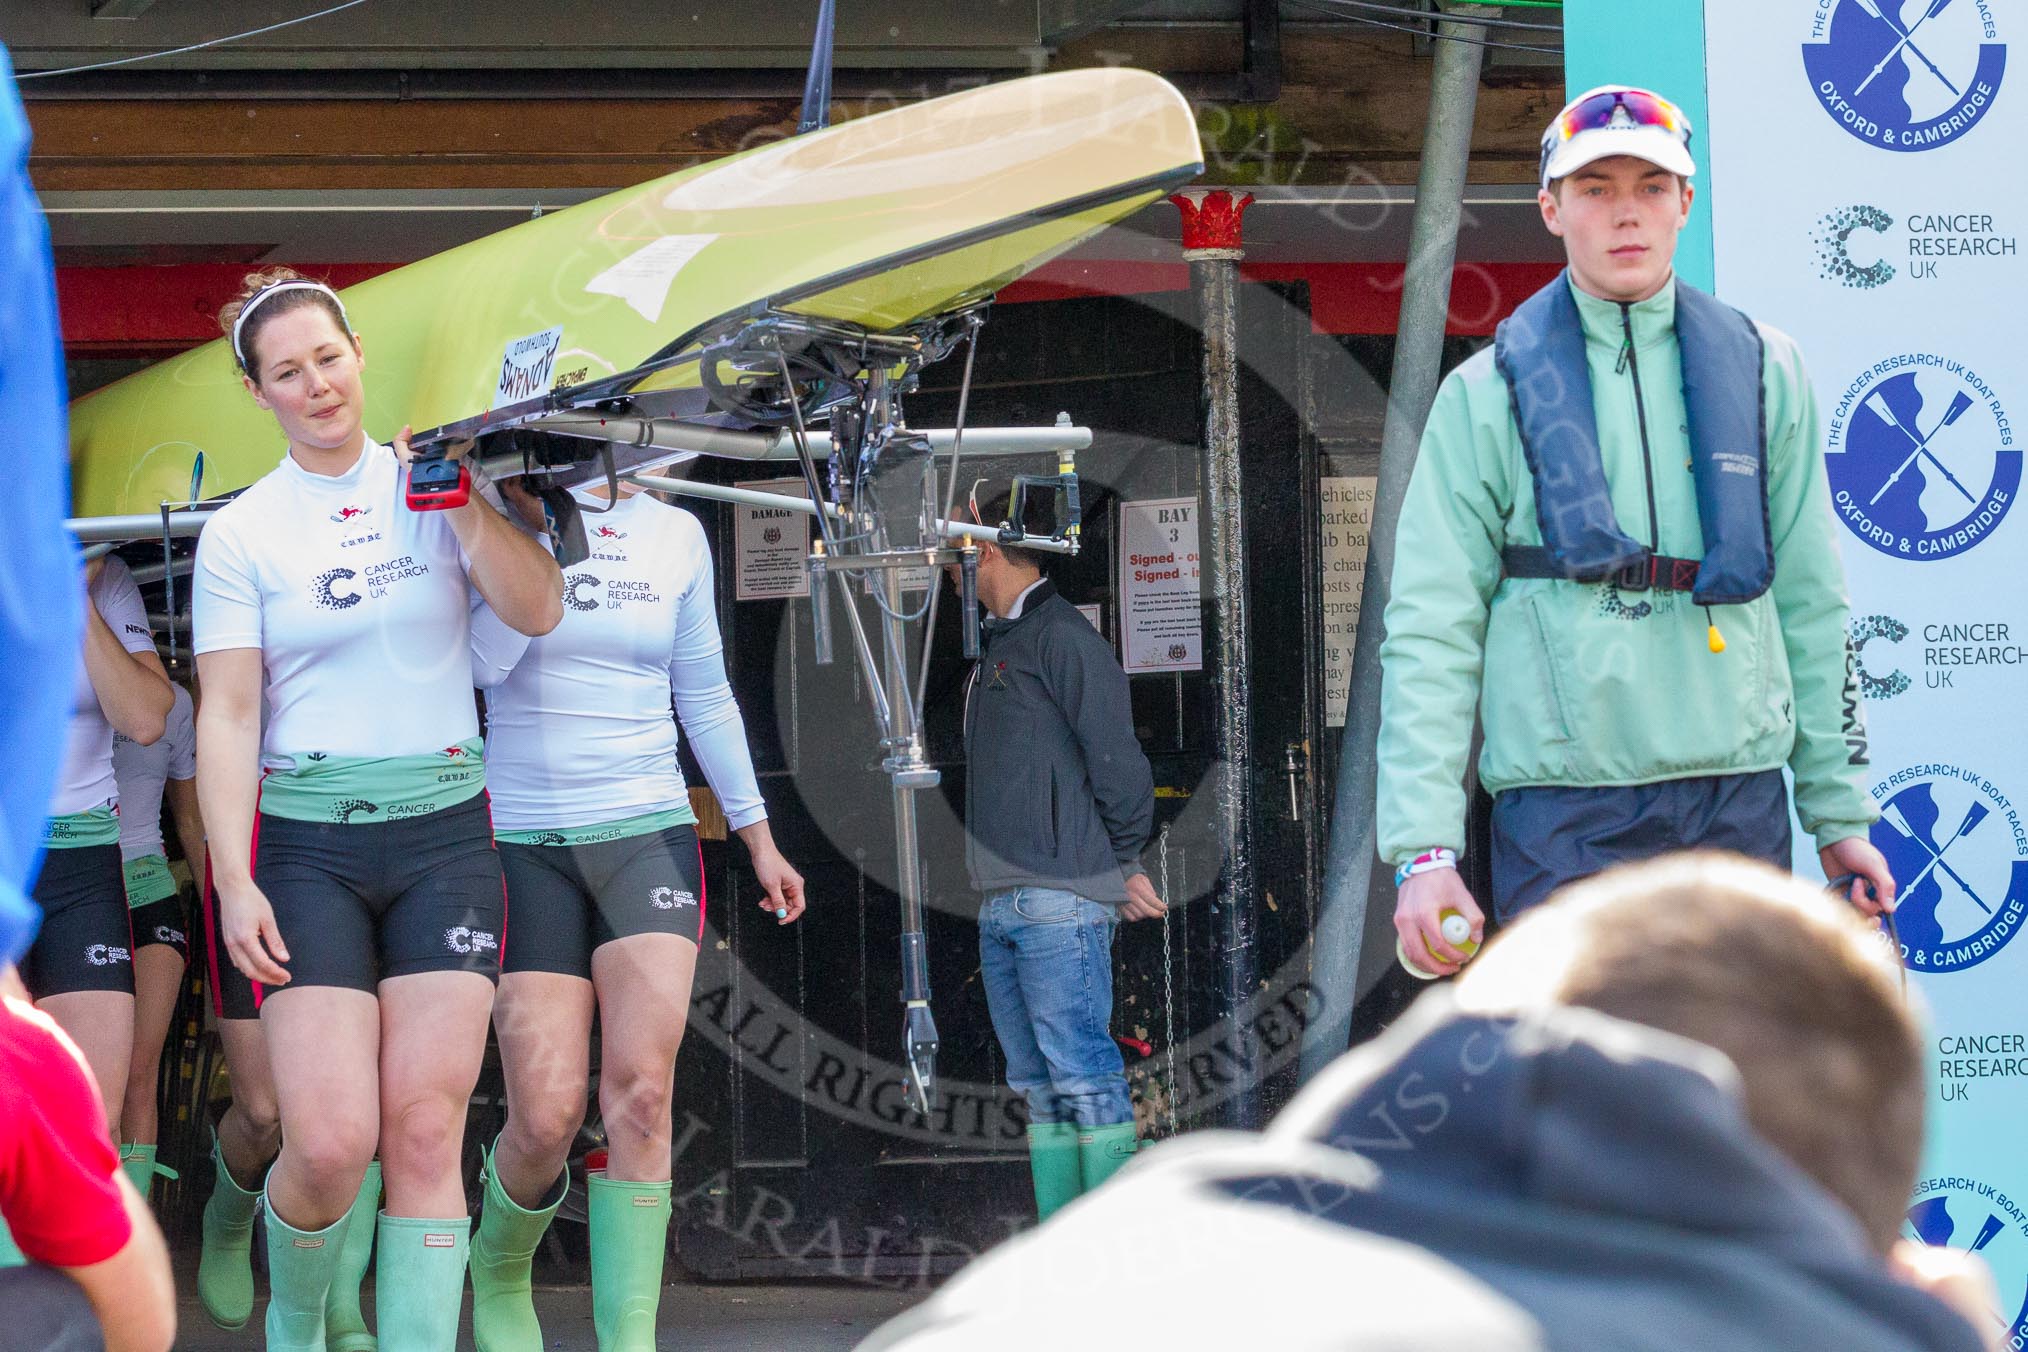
pixel 578 728
pixel 87 779
pixel 360 607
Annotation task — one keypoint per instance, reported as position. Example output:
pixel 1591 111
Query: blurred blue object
pixel 40 590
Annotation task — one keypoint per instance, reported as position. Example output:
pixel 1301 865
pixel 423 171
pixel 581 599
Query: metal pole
pixel 817 83
pixel 1342 921
pixel 1211 240
pixel 908 772
pixel 749 497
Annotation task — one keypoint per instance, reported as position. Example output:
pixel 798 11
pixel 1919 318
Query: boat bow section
pixel 875 223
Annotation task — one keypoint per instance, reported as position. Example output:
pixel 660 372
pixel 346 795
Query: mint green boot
pixel 138 1163
pixel 503 1257
pixel 629 1236
pixel 1101 1151
pixel 9 1255
pixel 141 1169
pixel 344 1322
pixel 225 1264
pixel 1053 1164
pixel 419 1282
pixel 300 1266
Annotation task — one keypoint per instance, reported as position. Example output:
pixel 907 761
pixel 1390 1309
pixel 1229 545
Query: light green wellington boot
pixel 300 1267
pixel 629 1236
pixel 419 1282
pixel 1053 1164
pixel 503 1254
pixel 225 1264
pixel 138 1162
pixel 9 1255
pixel 1101 1151
pixel 344 1322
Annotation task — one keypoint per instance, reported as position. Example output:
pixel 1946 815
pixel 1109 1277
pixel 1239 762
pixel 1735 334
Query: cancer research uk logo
pixel 1959 854
pixel 1905 75
pixel 464 939
pixel 1955 655
pixel 1973 1215
pixel 1854 245
pixel 1921 457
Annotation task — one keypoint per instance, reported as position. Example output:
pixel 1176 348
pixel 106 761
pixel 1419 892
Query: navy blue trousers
pixel 1546 836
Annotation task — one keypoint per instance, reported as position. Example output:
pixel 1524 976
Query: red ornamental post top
pixel 1211 222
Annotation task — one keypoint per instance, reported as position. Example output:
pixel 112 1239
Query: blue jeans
pixel 1047 959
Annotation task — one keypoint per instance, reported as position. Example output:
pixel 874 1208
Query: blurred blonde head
pixel 1789 983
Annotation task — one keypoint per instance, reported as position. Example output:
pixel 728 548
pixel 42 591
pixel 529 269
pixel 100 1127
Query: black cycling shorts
pixel 165 922
pixel 232 995
pixel 359 902
pixel 570 899
pixel 86 942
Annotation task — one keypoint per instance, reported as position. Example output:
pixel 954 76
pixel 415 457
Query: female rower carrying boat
pixel 606 884
pixel 358 888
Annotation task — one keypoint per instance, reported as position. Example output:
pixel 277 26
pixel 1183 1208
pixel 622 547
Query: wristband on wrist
pixel 1426 862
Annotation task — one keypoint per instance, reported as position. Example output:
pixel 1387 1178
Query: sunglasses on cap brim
pixel 1643 109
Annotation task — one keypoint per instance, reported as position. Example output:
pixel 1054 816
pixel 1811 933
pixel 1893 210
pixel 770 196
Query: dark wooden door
pixel 796 1152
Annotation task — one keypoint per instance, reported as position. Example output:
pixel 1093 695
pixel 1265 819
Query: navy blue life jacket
pixel 1539 351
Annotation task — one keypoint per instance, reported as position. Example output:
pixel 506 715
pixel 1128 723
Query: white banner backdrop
pixel 1864 160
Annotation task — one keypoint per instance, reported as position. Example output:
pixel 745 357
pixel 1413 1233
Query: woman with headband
pixel 603 874
pixel 357 883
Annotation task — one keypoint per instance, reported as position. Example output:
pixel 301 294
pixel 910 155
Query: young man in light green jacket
pixel 1622 556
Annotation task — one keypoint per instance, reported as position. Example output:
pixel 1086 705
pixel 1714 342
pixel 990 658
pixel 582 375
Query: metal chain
pixel 1168 980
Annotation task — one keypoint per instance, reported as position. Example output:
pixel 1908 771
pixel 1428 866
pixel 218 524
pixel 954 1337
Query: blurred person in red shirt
pixel 96 1263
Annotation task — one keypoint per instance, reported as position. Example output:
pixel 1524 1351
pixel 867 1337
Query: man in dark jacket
pixel 1059 801
pixel 1679 1107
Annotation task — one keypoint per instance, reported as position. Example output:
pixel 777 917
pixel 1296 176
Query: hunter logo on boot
pixel 440 1241
pixel 309 1242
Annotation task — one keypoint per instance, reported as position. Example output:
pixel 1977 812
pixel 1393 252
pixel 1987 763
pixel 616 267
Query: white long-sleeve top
pixel 578 728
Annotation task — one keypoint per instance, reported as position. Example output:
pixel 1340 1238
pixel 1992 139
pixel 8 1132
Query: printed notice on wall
pixel 1161 620
pixel 1347 523
pixel 772 544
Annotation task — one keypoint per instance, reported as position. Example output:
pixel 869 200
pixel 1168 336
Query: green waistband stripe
pixel 600 832
pixel 100 826
pixel 360 789
pixel 148 879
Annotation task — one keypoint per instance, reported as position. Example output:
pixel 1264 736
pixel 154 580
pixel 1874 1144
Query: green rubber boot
pixel 503 1256
pixel 344 1322
pixel 629 1236
pixel 138 1162
pixel 419 1282
pixel 300 1266
pixel 225 1264
pixel 1053 1164
pixel 9 1255
pixel 1101 1151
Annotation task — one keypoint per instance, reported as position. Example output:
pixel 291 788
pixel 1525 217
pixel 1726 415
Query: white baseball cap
pixel 1617 120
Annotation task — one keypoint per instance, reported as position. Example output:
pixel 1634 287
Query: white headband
pixel 253 303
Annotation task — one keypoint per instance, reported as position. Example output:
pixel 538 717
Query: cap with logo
pixel 1617 120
